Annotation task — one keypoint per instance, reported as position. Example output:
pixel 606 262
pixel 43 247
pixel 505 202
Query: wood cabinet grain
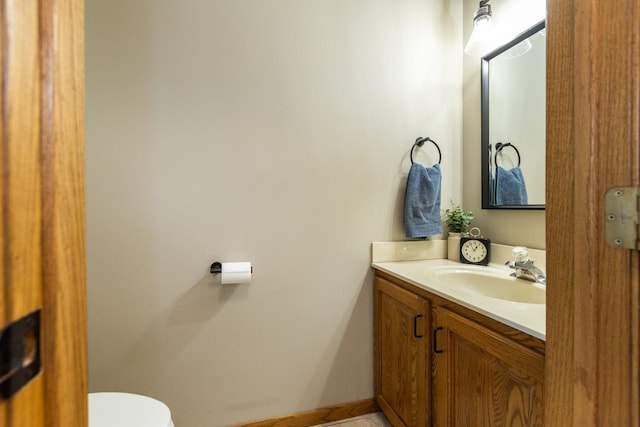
pixel 482 378
pixel 402 385
pixel 440 364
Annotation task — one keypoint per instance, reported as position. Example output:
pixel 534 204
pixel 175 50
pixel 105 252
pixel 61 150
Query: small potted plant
pixel 458 222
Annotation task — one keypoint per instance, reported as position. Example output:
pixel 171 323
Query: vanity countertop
pixel 528 318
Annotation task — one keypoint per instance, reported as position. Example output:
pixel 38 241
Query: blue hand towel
pixel 510 187
pixel 422 202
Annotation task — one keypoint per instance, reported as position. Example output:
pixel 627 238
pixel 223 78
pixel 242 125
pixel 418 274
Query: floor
pixel 369 420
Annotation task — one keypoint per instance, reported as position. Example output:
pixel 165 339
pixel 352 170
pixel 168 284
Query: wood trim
pixel 318 416
pixel 20 114
pixel 389 413
pixel 559 365
pixel 63 237
pixel 4 274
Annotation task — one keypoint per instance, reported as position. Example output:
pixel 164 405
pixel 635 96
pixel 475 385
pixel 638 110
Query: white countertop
pixel 528 318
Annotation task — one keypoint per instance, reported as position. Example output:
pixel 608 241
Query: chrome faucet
pixel 525 269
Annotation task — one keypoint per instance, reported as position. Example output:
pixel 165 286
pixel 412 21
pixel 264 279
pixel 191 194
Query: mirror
pixel 513 94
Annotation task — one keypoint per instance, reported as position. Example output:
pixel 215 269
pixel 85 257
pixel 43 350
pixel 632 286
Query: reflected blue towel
pixel 422 202
pixel 510 187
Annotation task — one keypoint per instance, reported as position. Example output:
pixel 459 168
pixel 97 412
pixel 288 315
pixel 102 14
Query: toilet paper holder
pixel 216 268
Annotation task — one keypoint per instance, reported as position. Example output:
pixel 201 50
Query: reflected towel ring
pixel 420 142
pixel 499 147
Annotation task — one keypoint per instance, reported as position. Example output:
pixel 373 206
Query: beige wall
pixel 508 227
pixel 275 132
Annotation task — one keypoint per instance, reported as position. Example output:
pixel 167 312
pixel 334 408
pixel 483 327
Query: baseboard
pixel 319 416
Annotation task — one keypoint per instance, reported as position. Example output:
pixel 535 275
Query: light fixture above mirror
pixel 488 35
pixel 484 36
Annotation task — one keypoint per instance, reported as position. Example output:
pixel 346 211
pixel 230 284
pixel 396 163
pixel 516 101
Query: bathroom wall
pixel 275 132
pixel 510 227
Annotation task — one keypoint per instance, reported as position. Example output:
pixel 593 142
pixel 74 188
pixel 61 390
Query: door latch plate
pixel 19 354
pixel 621 217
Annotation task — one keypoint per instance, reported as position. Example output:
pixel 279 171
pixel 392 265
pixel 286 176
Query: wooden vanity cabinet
pixel 482 378
pixel 443 365
pixel 402 354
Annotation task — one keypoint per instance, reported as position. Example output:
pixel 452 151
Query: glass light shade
pixel 483 38
pixel 517 50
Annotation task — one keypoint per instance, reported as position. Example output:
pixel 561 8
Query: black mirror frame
pixel 484 99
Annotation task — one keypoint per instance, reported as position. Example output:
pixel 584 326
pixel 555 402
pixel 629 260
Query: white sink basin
pixel 490 282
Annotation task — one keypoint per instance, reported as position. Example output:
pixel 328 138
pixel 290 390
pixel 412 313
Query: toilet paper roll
pixel 235 272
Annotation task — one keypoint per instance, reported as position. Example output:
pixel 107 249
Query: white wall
pixel 276 132
pixel 508 227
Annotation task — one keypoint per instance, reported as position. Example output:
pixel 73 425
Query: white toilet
pixel 127 410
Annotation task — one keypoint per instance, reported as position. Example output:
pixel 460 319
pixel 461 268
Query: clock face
pixel 474 251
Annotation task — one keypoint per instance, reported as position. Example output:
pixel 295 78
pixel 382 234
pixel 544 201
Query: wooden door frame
pixel 42 156
pixel 593 144
pixel 64 248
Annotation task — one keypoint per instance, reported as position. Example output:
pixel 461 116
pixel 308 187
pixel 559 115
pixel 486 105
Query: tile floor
pixel 369 420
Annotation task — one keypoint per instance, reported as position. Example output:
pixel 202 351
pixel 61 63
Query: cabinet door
pixel 401 356
pixel 482 378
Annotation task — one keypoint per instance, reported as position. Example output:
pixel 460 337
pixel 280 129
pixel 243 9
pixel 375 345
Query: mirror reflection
pixel 513 123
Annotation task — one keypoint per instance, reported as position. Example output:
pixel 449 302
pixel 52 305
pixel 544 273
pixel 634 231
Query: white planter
pixel 453 246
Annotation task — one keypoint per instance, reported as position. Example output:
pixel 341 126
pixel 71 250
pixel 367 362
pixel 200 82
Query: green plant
pixel 457 220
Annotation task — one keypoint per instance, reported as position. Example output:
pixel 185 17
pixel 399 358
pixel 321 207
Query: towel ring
pixel 499 147
pixel 420 142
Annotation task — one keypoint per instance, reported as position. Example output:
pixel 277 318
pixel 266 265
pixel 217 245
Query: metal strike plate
pixel 621 217
pixel 19 354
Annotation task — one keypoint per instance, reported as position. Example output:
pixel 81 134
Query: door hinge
pixel 621 217
pixel 19 354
